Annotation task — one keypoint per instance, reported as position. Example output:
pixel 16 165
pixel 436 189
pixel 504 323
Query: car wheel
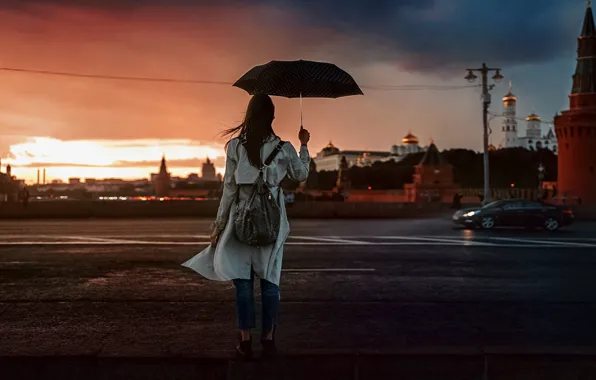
pixel 551 224
pixel 487 222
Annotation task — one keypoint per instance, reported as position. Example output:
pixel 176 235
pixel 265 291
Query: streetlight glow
pixel 498 77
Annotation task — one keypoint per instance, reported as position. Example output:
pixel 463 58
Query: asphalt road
pixel 116 288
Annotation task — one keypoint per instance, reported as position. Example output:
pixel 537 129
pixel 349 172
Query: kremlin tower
pixel 576 127
pixel 162 181
pixel 510 121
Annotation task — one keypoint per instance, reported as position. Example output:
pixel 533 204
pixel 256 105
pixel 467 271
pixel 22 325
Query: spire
pixel 433 156
pixel 163 168
pixel 584 81
pixel 509 99
pixel 588 30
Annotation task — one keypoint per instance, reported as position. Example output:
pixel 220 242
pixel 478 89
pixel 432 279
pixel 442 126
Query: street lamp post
pixel 471 77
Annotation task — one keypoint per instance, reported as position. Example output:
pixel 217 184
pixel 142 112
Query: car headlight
pixel 471 213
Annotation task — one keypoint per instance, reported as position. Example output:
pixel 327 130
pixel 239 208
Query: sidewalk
pixel 194 340
pixel 428 364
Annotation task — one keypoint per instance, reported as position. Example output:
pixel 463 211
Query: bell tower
pixel 576 127
pixel 510 121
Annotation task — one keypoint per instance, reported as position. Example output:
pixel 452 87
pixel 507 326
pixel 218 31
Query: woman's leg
pixel 270 299
pixel 245 306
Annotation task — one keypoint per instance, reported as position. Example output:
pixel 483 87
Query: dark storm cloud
pixel 427 35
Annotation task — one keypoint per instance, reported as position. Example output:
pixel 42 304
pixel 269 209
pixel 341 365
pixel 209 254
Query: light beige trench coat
pixel 231 259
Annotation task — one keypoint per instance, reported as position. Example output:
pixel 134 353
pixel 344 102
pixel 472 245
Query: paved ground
pixel 115 288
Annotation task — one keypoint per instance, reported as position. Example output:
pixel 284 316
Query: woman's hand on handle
pixel 304 136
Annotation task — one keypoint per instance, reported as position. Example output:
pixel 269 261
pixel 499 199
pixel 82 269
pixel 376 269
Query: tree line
pixel 517 166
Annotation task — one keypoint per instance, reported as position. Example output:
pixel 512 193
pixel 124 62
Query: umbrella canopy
pixel 299 79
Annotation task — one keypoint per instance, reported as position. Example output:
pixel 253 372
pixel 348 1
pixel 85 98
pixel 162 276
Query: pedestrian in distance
pixel 245 247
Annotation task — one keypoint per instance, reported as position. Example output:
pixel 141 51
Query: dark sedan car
pixel 515 213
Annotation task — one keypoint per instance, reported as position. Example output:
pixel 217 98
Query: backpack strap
pixel 274 154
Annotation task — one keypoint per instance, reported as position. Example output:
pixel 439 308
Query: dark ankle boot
pixel 244 349
pixel 269 348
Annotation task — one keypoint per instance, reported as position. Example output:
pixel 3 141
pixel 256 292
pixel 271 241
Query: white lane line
pixel 543 242
pixel 97 239
pixel 117 237
pixel 463 242
pixel 335 270
pixel 328 239
pixel 70 242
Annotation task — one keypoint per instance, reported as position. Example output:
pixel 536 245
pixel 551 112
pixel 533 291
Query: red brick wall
pixel 576 135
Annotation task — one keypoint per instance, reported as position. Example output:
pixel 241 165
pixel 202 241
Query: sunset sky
pixel 81 127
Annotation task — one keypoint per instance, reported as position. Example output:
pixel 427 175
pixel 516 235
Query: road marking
pixel 117 237
pixel 544 242
pixel 335 270
pixel 331 239
pixel 98 239
pixel 436 240
pixel 201 244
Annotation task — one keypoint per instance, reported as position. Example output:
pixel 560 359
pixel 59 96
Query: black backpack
pixel 257 223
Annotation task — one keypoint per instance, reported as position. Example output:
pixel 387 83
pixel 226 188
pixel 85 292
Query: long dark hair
pixel 256 128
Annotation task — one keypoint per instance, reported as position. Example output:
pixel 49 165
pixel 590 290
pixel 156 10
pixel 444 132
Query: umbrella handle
pixel 301 111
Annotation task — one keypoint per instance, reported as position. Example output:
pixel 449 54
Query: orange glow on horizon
pixel 127 159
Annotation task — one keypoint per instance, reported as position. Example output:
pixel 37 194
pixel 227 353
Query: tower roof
pixel 509 97
pixel 163 168
pixel 533 117
pixel 330 149
pixel 588 29
pixel 433 156
pixel 584 80
pixel 410 139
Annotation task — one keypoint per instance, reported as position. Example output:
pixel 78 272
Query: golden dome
pixel 330 149
pixel 410 139
pixel 509 97
pixel 491 148
pixel 533 117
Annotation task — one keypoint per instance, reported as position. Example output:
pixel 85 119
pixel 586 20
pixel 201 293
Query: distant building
pixel 534 138
pixel 193 178
pixel 433 179
pixel 162 181
pixel 410 145
pixel 208 171
pixel 330 158
pixel 8 185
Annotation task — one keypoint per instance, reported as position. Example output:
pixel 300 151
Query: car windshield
pixel 493 204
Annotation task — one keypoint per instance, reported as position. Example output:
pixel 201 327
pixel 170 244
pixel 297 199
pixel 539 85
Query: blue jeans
pixel 245 304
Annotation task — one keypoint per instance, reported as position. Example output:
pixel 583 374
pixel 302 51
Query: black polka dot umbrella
pixel 299 79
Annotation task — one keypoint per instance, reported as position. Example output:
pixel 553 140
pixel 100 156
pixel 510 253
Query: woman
pixel 227 258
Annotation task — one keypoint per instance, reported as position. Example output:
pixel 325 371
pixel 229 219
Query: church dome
pixel 509 97
pixel 492 148
pixel 533 117
pixel 330 149
pixel 410 139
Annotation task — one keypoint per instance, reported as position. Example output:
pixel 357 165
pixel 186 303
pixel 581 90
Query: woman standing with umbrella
pixel 255 149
